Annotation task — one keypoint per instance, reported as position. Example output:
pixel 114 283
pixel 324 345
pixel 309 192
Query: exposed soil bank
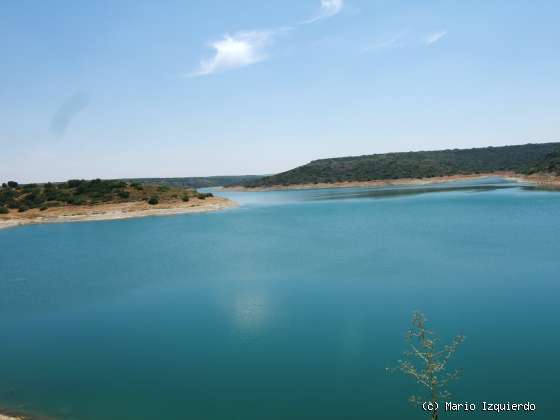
pixel 112 211
pixel 2 417
pixel 541 180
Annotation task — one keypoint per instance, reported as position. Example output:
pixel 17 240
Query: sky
pixel 119 88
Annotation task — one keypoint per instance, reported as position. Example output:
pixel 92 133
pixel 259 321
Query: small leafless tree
pixel 426 363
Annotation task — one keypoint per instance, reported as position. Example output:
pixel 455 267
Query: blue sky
pixel 205 87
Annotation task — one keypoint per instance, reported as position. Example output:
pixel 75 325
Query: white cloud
pixel 234 51
pixel 395 41
pixel 434 37
pixel 245 48
pixel 328 9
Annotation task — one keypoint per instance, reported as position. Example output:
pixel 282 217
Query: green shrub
pixel 124 194
pixel 4 210
pixel 75 183
pixel 43 208
pixel 12 184
pixel 204 196
pixel 75 201
pixel 22 209
pixel 153 201
pixel 29 187
pixel 185 198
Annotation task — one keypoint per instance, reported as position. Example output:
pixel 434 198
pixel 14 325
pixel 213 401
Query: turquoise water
pixel 288 307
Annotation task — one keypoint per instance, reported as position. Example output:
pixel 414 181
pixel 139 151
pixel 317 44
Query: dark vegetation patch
pixel 549 165
pixel 82 192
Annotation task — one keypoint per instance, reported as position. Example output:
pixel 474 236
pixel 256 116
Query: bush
pixel 204 196
pixel 153 201
pixel 12 184
pixel 124 194
pixel 29 187
pixel 185 198
pixel 22 209
pixel 75 201
pixel 74 183
pixel 4 210
pixel 43 208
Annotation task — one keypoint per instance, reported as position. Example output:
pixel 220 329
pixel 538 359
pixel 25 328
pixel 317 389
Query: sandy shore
pixel 3 417
pixel 112 211
pixel 542 180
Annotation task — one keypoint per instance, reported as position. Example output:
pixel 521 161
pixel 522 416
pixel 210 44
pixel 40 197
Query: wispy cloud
pixel 233 51
pixel 394 41
pixel 328 9
pixel 66 112
pixel 434 37
pixel 245 48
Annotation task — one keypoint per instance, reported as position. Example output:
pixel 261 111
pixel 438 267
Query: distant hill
pixel 528 158
pixel 199 182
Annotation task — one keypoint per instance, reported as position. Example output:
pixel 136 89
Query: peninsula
pixel 81 200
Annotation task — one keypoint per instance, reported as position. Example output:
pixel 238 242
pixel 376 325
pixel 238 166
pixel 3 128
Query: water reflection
pixel 261 198
pixel 250 311
pixel 352 341
pixel 395 192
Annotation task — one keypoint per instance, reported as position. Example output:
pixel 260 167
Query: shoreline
pixel 113 211
pixel 540 180
pixel 8 415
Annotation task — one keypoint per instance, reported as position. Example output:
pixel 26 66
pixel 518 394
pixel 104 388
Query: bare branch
pixel 431 363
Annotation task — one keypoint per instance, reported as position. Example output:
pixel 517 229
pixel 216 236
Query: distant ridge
pixel 198 182
pixel 525 159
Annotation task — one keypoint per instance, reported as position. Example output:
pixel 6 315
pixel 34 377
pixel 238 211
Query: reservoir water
pixel 288 307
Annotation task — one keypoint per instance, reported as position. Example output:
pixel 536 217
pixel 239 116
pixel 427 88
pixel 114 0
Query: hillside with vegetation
pixel 549 165
pixel 81 192
pixel 524 159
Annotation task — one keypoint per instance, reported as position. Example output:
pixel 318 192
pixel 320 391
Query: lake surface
pixel 288 307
